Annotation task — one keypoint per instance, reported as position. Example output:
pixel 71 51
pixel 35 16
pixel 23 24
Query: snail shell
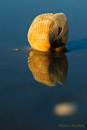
pixel 48 31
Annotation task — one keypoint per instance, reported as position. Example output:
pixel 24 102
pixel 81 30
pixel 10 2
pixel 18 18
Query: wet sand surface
pixel 26 103
pixel 27 100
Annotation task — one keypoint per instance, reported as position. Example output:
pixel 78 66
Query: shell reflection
pixel 48 68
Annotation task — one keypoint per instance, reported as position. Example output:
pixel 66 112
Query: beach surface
pixel 26 103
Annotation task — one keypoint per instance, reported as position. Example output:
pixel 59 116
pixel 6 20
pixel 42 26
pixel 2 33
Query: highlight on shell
pixel 49 32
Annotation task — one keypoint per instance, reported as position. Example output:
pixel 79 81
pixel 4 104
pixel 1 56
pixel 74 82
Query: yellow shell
pixel 48 31
pixel 48 68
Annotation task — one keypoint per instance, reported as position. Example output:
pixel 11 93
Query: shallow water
pixel 27 100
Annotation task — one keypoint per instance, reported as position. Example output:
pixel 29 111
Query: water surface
pixel 28 102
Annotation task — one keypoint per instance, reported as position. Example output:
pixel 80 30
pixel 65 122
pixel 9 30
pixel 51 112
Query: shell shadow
pixel 76 45
pixel 48 67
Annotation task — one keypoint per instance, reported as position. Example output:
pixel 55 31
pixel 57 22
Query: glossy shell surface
pixel 48 31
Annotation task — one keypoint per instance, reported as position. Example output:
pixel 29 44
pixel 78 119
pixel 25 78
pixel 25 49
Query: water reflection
pixel 48 68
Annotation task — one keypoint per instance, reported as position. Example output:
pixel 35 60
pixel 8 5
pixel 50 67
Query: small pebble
pixel 65 109
pixel 16 50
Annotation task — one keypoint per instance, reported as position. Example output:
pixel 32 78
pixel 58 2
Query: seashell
pixel 48 68
pixel 48 32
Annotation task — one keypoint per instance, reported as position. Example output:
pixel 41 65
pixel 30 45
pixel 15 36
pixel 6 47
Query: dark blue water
pixel 26 103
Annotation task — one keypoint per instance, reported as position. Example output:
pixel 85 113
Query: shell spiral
pixel 48 31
